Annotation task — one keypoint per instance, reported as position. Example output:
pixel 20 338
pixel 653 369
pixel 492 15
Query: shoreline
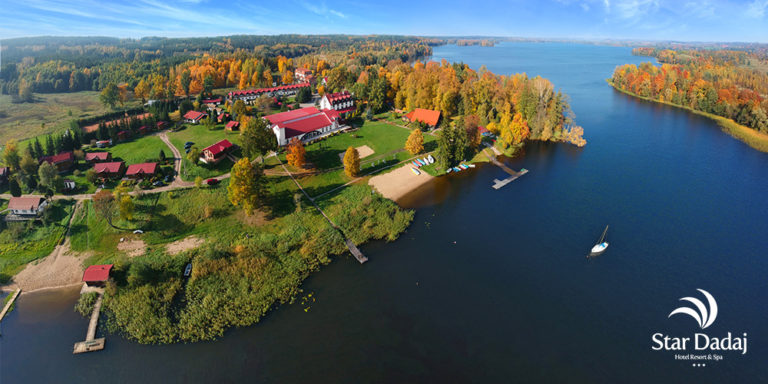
pixel 398 183
pixel 749 136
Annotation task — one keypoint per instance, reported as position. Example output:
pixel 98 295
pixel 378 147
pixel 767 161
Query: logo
pixel 705 317
pixel 699 348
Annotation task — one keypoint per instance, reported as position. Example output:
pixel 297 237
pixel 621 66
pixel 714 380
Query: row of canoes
pixel 418 163
pixel 459 168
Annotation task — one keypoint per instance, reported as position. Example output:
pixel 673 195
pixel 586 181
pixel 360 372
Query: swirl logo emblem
pixel 705 317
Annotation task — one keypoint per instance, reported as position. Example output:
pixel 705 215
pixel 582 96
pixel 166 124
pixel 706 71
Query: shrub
pixel 85 303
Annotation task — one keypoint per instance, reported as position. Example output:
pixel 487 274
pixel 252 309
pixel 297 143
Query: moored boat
pixel 431 159
pixel 416 171
pixel 601 245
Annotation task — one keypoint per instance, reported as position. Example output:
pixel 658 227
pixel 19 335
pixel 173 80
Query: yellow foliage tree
pixel 415 143
pixel 142 90
pixel 244 188
pixel 352 162
pixel 296 155
pixel 288 78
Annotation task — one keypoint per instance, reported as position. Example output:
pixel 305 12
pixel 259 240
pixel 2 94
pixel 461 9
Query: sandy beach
pixel 61 268
pixel 398 183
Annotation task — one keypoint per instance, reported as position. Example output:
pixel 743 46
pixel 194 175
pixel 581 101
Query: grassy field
pixel 386 140
pixel 24 242
pixel 202 137
pixel 55 110
pixel 139 150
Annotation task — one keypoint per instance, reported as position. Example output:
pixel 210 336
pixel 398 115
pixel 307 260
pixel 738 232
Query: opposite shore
pixel 749 136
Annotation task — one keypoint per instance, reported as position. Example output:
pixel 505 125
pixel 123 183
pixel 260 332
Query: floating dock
pixel 91 343
pixel 513 175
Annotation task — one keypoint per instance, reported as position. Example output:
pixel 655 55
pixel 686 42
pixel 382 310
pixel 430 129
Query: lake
pixel 493 285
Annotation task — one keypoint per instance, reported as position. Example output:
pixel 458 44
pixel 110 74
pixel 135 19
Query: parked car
pixel 188 144
pixel 212 181
pixel 158 183
pixel 168 178
pixel 138 232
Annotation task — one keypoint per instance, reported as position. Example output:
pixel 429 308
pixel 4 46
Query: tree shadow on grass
pixel 324 158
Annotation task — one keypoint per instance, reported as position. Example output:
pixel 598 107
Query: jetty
pixel 9 304
pixel 91 343
pixel 513 175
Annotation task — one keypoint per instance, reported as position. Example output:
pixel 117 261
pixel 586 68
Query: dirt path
pixel 59 269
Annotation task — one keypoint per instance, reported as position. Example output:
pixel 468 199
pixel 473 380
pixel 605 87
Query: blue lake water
pixel 493 285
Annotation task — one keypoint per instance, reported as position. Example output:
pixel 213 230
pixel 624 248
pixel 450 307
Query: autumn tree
pixel 288 78
pixel 415 143
pixel 11 155
pixel 245 188
pixel 198 182
pixel 352 162
pixel 110 95
pixel 256 139
pixel 186 80
pixel 239 110
pixel 104 205
pixel 28 164
pixel 142 90
pixel 296 153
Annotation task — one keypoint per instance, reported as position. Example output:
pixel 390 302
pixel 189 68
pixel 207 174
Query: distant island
pixel 729 86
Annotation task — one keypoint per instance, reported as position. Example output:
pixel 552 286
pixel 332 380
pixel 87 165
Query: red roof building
pixel 194 117
pixel 97 275
pixel 216 152
pixel 283 90
pixel 233 126
pixel 216 101
pixel 97 157
pixel 223 117
pixel 141 171
pixel 144 129
pixel 111 170
pixel 63 161
pixel 304 123
pixel 303 75
pixel 426 116
pixel 342 102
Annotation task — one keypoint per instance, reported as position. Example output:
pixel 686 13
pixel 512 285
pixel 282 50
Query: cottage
pixel 253 94
pixel 161 125
pixel 212 103
pixel 232 126
pixel 111 170
pixel 104 143
pixel 216 152
pixel 123 135
pixel 97 275
pixel 63 161
pixel 194 117
pixel 426 116
pixel 97 157
pixel 27 207
pixel 141 171
pixel 145 129
pixel 341 102
pixel 4 172
pixel 305 124
pixel 69 185
pixel 223 117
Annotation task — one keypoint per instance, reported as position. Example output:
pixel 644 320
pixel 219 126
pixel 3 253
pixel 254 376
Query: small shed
pixel 97 275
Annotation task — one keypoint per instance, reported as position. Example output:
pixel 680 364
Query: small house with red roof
pixel 97 157
pixel 123 135
pixel 143 171
pixel 103 143
pixel 341 102
pixel 194 117
pixel 216 152
pixel 304 123
pixel 161 125
pixel 222 117
pixel 145 129
pixel 97 275
pixel 212 103
pixel 303 75
pixel 110 170
pixel 232 126
pixel 63 161
pixel 426 116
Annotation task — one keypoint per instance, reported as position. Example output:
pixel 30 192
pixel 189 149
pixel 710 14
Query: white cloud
pixel 322 10
pixel 585 7
pixel 630 9
pixel 757 9
pixel 701 9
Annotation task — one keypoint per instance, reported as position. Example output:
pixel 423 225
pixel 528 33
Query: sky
pixel 679 20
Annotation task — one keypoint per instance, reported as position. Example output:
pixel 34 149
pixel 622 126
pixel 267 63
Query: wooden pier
pixel 91 343
pixel 9 304
pixel 355 252
pixel 513 175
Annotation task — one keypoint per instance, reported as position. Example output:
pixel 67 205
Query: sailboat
pixel 601 244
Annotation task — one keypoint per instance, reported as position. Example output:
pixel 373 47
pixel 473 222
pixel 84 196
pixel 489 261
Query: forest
pixel 728 83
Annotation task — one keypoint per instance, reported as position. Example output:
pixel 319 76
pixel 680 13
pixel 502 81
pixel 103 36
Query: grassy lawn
pixel 202 138
pixel 139 150
pixel 23 242
pixel 385 140
pixel 24 120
